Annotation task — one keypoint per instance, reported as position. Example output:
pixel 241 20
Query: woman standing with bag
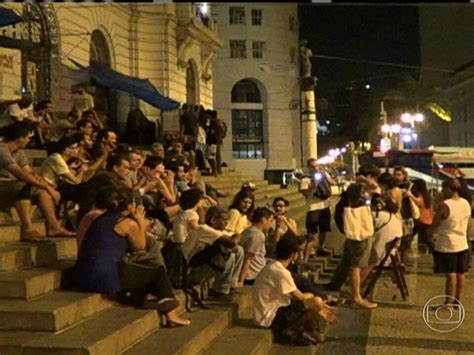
pixel 102 263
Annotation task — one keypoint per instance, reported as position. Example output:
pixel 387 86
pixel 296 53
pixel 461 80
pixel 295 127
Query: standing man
pixel 220 133
pixel 188 129
pixel 450 224
pixel 317 189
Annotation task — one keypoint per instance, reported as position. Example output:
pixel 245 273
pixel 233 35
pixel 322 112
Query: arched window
pixel 246 91
pixel 99 48
pixel 247 121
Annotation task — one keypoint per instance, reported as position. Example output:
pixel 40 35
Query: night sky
pixel 387 33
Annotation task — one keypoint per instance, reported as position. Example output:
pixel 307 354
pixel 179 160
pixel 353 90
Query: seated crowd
pixel 122 205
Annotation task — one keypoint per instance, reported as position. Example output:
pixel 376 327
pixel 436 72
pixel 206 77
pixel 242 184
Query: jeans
pixel 224 280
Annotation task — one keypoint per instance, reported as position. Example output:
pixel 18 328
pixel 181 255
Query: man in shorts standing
pixel 450 224
pixel 318 218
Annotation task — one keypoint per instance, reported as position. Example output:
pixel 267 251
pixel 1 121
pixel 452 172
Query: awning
pixel 141 88
pixel 8 17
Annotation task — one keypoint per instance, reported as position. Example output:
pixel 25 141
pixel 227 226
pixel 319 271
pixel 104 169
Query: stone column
pixel 308 119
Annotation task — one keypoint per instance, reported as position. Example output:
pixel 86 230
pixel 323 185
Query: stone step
pixel 205 327
pixel 280 349
pixel 231 178
pixel 232 190
pixel 10 232
pixel 17 255
pixel 109 332
pixel 52 312
pixel 31 282
pixel 242 340
pixel 236 182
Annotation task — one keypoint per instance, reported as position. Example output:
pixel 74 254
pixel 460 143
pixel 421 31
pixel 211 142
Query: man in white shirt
pixel 295 317
pixel 317 190
pixel 450 225
pixel 200 240
pixel 17 111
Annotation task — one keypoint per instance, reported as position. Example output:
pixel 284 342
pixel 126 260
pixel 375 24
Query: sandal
pixel 366 304
pixel 33 236
pixel 167 306
pixel 63 234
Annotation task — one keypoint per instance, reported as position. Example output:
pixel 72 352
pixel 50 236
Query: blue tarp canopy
pixel 141 88
pixel 8 17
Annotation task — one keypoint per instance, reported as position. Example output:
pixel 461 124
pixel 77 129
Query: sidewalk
pixel 397 327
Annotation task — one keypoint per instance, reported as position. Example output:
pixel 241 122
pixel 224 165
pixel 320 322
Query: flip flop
pixel 63 234
pixel 33 236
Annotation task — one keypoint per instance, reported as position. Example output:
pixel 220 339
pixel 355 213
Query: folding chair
pixel 395 266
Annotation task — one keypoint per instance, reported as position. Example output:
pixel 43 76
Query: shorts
pixel 13 191
pixel 189 143
pixel 211 151
pixel 318 220
pixel 447 263
pixel 358 252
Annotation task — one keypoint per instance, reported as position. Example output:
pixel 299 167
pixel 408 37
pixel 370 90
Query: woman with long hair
pixel 240 211
pixel 422 198
pixel 100 267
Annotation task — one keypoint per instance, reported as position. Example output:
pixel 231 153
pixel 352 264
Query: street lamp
pixel 411 119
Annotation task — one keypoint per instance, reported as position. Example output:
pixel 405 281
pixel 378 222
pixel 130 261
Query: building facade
pixel 461 97
pixel 446 34
pixel 256 90
pixel 172 45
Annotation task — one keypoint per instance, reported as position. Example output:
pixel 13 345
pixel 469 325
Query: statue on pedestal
pixel 305 59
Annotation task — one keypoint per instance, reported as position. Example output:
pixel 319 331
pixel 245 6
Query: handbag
pixel 415 210
pixel 358 223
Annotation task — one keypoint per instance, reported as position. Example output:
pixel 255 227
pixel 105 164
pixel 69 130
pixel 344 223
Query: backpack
pixel 220 130
pixel 339 211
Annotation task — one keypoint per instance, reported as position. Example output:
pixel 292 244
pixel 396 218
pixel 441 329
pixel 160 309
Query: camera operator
pixel 316 187
pixel 358 227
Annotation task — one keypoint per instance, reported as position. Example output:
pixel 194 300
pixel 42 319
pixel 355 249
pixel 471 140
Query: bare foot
pixel 174 318
pixel 61 233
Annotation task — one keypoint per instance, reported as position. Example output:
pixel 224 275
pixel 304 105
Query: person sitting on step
pixel 295 317
pixel 17 178
pixel 253 242
pixel 121 230
pixel 201 250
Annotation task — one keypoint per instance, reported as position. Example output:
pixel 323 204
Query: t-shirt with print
pixel 199 238
pixel 271 291
pixel 7 158
pixel 253 242
pixel 52 168
pixel 180 225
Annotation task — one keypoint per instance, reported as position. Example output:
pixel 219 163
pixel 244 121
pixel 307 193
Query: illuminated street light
pixel 396 128
pixel 386 128
pixel 406 118
pixel 419 117
pixel 406 138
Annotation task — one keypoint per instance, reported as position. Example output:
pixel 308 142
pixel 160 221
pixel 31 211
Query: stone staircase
pixel 41 315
